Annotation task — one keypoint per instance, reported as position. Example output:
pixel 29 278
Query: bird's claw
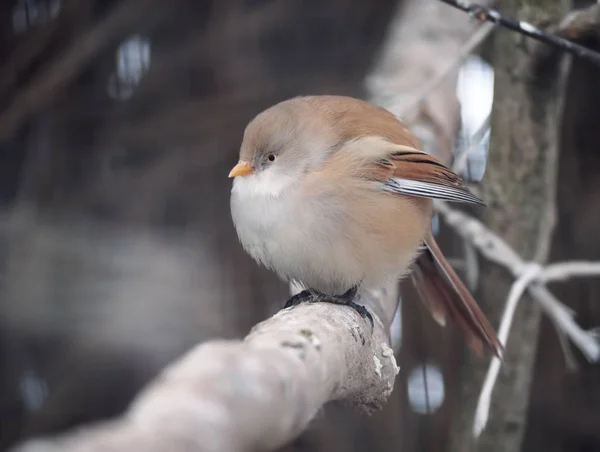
pixel 346 299
pixel 300 297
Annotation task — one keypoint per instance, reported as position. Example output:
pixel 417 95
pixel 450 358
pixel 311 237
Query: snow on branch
pixel 255 394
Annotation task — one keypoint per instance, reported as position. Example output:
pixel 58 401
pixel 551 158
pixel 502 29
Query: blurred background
pixel 119 122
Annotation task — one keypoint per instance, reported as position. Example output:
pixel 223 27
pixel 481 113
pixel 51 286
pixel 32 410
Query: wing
pixel 409 171
pixel 406 170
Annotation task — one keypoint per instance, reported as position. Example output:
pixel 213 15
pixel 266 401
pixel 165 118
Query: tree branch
pixel 250 395
pixel 484 13
pixel 530 276
pixel 498 251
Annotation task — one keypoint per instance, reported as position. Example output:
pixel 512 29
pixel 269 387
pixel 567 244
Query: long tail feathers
pixel 445 296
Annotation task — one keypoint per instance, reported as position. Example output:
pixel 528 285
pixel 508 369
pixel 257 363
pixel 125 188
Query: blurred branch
pixel 462 157
pixel 530 276
pixel 21 56
pixel 417 77
pixel 251 395
pixel 39 39
pixel 561 271
pixel 44 87
pixel 465 50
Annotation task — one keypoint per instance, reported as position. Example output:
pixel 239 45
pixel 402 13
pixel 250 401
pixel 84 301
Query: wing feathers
pixel 409 171
pixel 430 190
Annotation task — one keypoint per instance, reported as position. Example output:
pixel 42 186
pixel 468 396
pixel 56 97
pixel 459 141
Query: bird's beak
pixel 241 169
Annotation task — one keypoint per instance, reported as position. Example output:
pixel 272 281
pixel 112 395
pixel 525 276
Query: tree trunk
pixel 519 189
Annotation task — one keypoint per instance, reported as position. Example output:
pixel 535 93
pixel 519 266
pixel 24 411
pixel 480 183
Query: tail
pixel 445 295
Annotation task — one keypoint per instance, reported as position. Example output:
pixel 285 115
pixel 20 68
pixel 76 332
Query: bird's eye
pixel 271 157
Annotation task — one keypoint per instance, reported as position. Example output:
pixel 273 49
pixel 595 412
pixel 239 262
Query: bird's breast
pixel 329 239
pixel 263 221
pixel 296 236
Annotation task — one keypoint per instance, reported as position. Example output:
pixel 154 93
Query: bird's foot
pixel 345 299
pixel 301 297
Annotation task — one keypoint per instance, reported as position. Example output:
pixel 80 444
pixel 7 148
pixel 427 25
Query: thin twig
pixel 483 13
pixel 570 360
pixel 492 247
pixel 516 292
pixel 561 271
pixel 475 140
pixel 532 277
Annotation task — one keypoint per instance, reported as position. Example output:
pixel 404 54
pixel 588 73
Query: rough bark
pixel 519 189
pixel 256 394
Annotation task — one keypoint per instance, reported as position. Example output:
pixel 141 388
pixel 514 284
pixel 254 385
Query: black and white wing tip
pixel 430 190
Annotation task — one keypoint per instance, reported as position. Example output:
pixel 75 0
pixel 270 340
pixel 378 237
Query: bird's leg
pixel 345 299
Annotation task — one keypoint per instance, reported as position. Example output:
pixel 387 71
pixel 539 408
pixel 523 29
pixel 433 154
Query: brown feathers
pixel 418 165
pixel 365 175
pixel 398 161
pixel 446 297
pixel 415 173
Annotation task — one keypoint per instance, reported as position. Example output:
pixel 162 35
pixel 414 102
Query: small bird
pixel 335 194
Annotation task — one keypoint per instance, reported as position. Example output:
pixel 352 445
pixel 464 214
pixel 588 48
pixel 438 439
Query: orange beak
pixel 241 169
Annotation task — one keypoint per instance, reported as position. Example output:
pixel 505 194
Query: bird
pixel 335 193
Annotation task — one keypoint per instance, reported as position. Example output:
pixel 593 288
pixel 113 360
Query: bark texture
pixel 256 394
pixel 519 188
